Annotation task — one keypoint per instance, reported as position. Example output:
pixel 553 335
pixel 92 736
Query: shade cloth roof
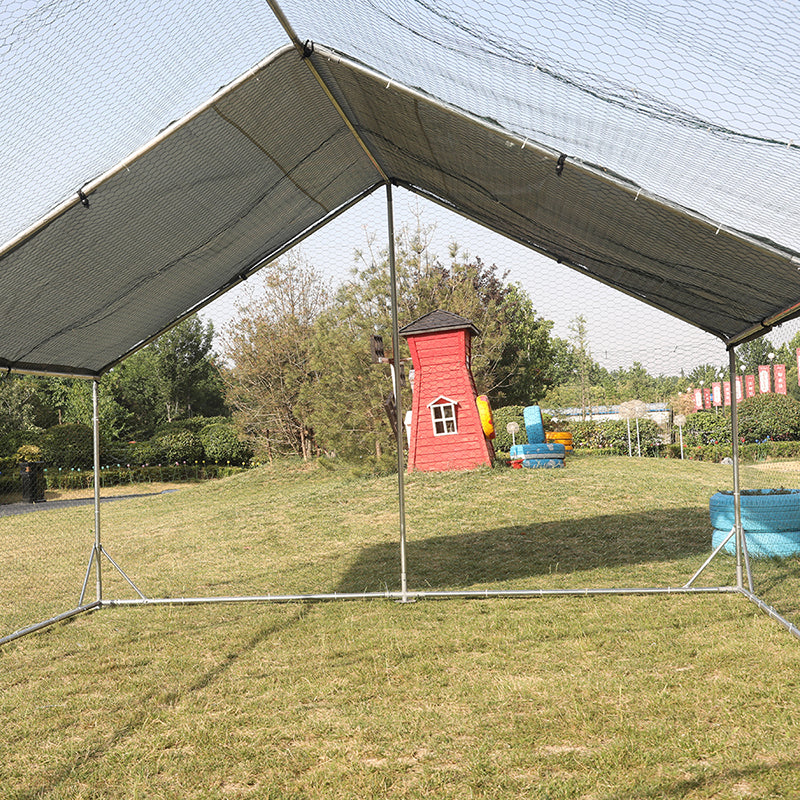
pixel 270 158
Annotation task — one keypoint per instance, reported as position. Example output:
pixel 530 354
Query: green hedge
pixel 221 442
pixel 748 453
pixel 766 417
pixel 123 475
pixel 502 416
pixel 612 436
pixel 67 446
pixel 71 446
pixel 180 447
pixel 769 416
pixel 705 427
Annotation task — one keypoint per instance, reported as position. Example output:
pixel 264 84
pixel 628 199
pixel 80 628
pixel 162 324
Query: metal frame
pixel 404 595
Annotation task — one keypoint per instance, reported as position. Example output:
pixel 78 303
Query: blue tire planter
pixel 549 450
pixel 779 544
pixel 770 521
pixel 542 463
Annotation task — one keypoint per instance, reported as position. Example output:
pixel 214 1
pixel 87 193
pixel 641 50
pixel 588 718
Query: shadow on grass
pixel 511 553
pixel 719 783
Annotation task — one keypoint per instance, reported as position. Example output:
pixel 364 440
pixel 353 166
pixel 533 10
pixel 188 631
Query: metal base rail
pixel 52 621
pixel 771 612
pixel 428 594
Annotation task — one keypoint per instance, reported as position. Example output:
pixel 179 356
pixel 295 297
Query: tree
pixel 752 354
pixel 137 389
pixel 187 375
pixel 79 407
pixel 583 358
pixel 175 377
pixel 580 382
pixel 511 359
pixel 18 395
pixel 268 346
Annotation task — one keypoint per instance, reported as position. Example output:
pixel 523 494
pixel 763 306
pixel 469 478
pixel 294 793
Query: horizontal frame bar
pixel 52 621
pixel 419 595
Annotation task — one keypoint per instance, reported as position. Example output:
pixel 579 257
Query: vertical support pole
pixel 737 492
pixel 96 431
pixel 397 396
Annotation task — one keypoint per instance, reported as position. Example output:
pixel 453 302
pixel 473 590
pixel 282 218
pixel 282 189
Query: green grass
pixel 606 697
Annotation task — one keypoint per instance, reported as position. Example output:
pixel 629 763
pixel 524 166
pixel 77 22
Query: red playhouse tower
pixel 446 429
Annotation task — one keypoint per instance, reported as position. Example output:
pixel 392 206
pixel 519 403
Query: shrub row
pixel 122 475
pixel 63 479
pixel 615 437
pixel 609 436
pixel 71 446
pixel 766 417
pixel 748 453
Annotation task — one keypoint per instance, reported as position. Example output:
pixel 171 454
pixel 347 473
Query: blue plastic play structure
pixel 538 454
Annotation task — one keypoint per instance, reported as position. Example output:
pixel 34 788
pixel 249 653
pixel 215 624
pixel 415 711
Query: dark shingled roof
pixel 438 321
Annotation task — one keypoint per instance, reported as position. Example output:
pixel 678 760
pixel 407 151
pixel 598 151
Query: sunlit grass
pixel 564 697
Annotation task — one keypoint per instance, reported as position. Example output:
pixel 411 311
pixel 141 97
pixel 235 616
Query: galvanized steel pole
pixel 96 431
pixel 737 494
pixel 397 396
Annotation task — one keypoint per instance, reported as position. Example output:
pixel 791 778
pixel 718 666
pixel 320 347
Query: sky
pixel 621 330
pixel 86 83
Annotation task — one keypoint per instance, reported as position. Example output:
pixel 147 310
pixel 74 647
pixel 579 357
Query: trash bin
pixel 31 474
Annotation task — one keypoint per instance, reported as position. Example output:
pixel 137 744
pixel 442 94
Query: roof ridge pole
pixel 305 50
pixel 397 396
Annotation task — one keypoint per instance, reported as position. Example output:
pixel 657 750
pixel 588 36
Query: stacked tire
pixel 770 521
pixel 534 425
pixel 560 437
pixel 538 453
pixel 540 456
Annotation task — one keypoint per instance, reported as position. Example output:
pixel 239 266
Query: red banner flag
pixel 726 391
pixel 749 385
pixel 706 397
pixel 764 380
pixel 698 399
pixel 739 393
pixel 716 393
pixel 779 372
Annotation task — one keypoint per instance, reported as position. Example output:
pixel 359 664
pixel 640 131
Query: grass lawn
pixel 668 696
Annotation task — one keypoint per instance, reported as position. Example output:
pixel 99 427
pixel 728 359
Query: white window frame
pixel 443 416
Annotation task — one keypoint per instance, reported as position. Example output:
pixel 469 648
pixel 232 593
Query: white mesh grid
pixel 681 123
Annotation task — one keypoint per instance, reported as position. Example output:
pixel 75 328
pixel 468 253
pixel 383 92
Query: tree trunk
pixel 303 441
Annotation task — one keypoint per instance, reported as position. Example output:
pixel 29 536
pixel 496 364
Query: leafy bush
pixel 193 424
pixel 221 443
pixel 502 416
pixel 9 477
pixel 180 447
pixel 9 485
pixel 149 452
pixel 769 416
pixel 10 441
pixel 705 427
pixel 28 452
pixel 68 446
pixel 117 476
pixel 748 453
pixel 612 435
